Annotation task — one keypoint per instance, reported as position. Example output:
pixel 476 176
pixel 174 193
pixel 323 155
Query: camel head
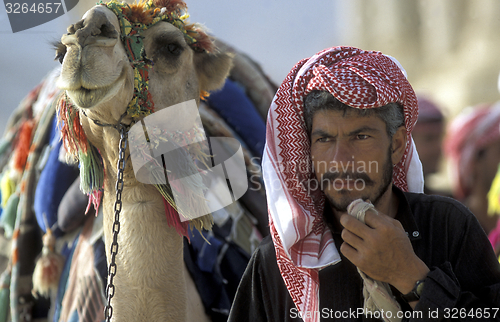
pixel 123 62
pixel 103 54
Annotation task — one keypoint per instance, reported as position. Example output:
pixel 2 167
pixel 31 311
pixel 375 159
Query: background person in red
pixel 472 145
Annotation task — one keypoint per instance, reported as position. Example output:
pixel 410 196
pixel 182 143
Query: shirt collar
pixel 405 216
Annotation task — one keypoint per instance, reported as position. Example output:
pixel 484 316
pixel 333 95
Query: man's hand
pixel 382 250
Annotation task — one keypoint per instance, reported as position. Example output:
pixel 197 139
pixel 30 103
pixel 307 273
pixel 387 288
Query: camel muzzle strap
pixel 118 126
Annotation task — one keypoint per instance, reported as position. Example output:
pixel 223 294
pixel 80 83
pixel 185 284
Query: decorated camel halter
pixel 134 19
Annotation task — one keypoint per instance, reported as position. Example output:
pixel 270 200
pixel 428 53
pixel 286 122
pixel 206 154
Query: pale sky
pixel 275 33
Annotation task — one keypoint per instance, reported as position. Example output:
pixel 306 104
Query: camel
pixel 150 283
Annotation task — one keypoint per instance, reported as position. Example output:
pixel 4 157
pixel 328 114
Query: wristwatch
pixel 415 293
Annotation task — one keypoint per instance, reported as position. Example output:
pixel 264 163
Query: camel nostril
pixel 74 27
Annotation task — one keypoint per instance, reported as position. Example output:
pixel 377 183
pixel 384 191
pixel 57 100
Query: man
pixel 428 136
pixel 472 145
pixel 335 115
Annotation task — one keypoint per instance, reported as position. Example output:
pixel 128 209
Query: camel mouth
pixel 89 97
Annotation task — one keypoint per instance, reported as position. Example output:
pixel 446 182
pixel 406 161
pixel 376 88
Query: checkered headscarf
pixel 472 130
pixel 360 79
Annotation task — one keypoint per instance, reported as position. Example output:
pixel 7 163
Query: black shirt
pixel 463 283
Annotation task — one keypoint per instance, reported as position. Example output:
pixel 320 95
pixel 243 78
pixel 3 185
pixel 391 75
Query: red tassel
pixel 72 133
pixel 23 145
pixel 174 220
pixel 94 199
pixel 79 133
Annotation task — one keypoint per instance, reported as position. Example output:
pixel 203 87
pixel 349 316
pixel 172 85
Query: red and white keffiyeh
pixel 360 79
pixel 471 131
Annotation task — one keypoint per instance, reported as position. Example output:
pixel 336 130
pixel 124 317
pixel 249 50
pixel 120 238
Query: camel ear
pixel 212 69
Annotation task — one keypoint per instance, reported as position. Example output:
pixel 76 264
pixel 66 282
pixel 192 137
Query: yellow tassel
pixel 205 222
pixel 494 195
pixel 48 268
pixel 204 95
pixel 7 186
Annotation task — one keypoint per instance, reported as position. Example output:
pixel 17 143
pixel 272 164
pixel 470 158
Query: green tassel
pixel 9 213
pixel 91 170
pixel 4 295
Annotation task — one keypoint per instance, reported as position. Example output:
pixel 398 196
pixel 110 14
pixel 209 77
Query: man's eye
pixel 322 140
pixel 362 136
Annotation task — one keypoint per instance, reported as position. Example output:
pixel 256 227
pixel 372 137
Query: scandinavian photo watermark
pixel 356 313
pixel 340 176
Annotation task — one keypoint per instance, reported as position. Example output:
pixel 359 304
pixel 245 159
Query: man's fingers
pixel 349 252
pixel 376 220
pixel 353 225
pixel 380 221
pixel 351 239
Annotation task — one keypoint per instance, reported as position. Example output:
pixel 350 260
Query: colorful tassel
pixel 8 186
pixel 494 195
pixel 9 214
pixel 95 199
pixel 204 95
pixel 91 170
pixel 78 146
pixel 174 220
pixel 23 145
pixel 72 133
pixel 4 295
pixel 181 164
pixel 189 189
pixel 203 223
pixel 48 268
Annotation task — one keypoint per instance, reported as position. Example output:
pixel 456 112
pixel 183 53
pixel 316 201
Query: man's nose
pixel 341 152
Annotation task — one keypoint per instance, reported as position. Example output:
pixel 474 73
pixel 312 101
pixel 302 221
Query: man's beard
pixel 340 204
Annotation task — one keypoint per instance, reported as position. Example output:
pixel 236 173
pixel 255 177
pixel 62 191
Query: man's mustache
pixel 332 176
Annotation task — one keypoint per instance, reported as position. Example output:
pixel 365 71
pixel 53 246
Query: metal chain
pixel 110 289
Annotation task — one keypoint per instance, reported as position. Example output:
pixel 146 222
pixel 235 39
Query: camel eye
pixel 174 49
pixel 166 49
